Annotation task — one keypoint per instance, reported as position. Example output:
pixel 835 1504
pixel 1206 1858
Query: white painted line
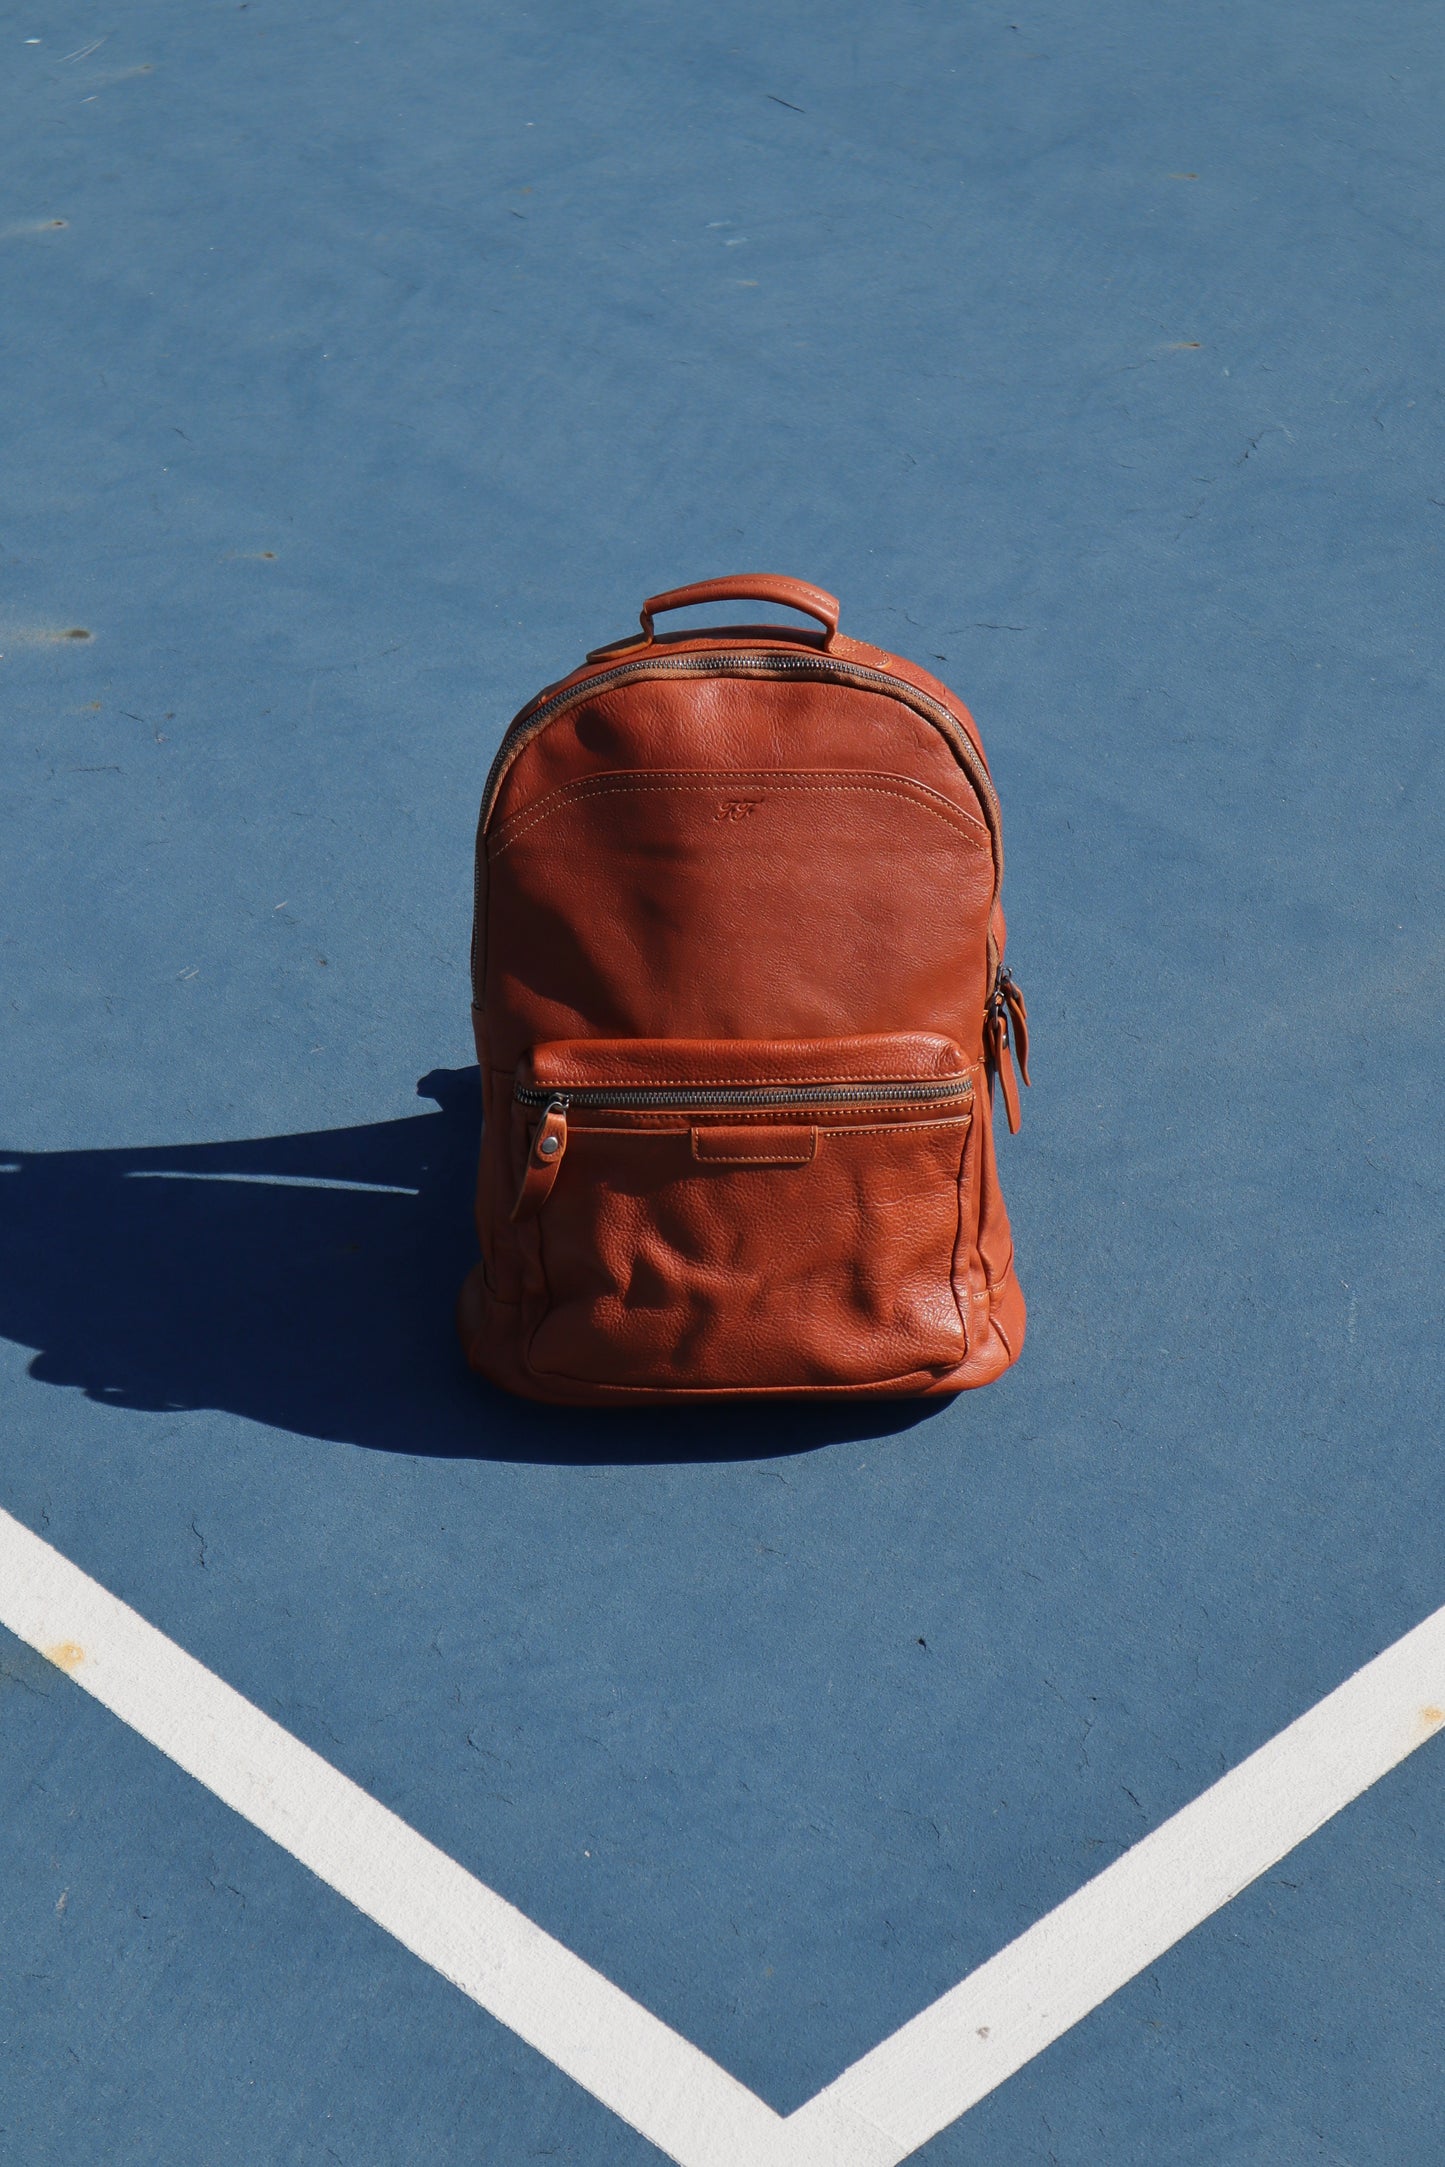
pixel 607 2042
pixel 956 2051
pixel 898 2096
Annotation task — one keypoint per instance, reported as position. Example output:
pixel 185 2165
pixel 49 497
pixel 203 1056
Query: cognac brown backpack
pixel 740 1004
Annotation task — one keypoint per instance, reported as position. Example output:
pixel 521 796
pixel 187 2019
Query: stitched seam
pixel 599 785
pixel 898 1128
pixel 767 1083
pixel 724 1083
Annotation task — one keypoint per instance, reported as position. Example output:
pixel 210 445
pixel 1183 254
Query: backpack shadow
pixel 307 1283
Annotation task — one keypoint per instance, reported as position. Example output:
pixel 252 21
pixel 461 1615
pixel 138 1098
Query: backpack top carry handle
pixel 814 602
pixel 748 587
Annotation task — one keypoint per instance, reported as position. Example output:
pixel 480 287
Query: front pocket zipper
pixel 786 1231
pixel 663 1099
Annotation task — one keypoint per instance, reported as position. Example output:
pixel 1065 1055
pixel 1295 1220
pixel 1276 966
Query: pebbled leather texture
pixel 739 1006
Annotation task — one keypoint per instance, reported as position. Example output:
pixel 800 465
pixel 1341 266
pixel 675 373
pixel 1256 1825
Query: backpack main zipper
pixel 753 662
pixel 668 1098
pixel 763 662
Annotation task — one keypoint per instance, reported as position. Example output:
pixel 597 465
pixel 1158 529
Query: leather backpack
pixel 740 1005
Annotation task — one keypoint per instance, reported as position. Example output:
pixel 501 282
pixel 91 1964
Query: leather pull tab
pixel 1007 1005
pixel 549 1145
pixel 1010 1086
pixel 1019 1016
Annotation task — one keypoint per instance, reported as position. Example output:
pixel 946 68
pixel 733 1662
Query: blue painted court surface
pixel 364 366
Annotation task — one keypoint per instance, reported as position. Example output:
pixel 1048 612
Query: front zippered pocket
pixel 755 1215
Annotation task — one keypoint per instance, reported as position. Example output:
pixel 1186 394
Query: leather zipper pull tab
pixel 1013 996
pixel 549 1142
pixel 1006 1003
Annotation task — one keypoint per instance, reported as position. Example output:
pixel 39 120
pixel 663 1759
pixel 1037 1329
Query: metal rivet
pixel 549 1145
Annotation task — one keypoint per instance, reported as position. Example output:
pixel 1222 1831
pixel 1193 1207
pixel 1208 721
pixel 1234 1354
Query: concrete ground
pixel 364 366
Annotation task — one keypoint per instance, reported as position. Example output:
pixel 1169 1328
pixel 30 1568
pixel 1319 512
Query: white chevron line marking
pixel 950 2056
pixel 917 2081
pixel 622 2054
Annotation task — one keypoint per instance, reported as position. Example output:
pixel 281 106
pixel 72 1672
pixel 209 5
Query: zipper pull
pixel 1013 997
pixel 549 1142
pixel 1005 1006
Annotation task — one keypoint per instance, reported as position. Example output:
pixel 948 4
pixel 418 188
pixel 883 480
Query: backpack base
pixel 492 1341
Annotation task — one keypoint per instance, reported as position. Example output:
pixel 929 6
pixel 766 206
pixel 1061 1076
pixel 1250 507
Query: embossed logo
pixel 737 808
